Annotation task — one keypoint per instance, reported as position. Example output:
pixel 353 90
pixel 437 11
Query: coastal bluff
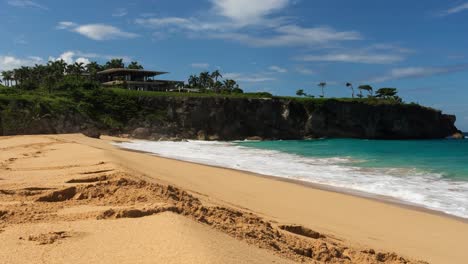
pixel 229 118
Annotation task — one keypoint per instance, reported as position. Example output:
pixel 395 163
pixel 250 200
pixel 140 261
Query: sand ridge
pixel 145 199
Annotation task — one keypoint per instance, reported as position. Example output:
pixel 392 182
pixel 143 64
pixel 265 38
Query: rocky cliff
pixel 239 118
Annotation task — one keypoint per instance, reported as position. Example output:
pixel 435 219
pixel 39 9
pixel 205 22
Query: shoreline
pixel 317 186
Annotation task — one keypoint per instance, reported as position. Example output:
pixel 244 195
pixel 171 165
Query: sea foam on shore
pixel 410 186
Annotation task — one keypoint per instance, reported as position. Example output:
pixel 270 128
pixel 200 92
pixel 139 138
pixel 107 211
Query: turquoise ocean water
pixel 429 173
pixel 448 158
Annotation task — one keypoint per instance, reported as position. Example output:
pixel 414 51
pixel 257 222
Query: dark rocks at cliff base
pixel 141 133
pixel 92 133
pixel 254 138
pixel 457 135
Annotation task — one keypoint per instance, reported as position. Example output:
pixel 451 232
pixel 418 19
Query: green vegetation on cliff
pixel 113 108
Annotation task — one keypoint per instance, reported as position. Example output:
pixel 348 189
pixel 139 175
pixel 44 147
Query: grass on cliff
pixel 133 93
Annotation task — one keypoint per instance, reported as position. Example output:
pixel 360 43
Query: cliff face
pixel 240 118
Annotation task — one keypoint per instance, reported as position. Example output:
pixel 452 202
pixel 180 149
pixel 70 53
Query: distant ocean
pixel 429 173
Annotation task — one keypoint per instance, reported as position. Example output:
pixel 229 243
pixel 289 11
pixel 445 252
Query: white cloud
pixel 103 32
pixel 96 31
pixel 66 57
pixel 250 78
pixel 379 47
pixel 26 3
pixel 200 65
pixel 190 24
pixel 21 39
pixel 85 61
pixel 456 9
pixel 292 35
pixel 120 12
pixel 11 62
pixel 354 58
pixel 305 71
pixel 277 69
pixel 89 55
pixel 247 11
pixel 66 25
pixel 418 72
pixel 71 56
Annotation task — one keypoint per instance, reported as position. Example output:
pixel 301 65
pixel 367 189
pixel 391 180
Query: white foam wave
pixel 410 186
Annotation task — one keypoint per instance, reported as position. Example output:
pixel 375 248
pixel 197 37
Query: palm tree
pixel 387 93
pixel 115 63
pixel 135 65
pixel 7 77
pixel 75 68
pixel 215 75
pixel 194 81
pixel 60 66
pixel 350 85
pixel 21 74
pixel 367 88
pixel 230 84
pixel 93 68
pixel 78 68
pixel 322 85
pixel 205 79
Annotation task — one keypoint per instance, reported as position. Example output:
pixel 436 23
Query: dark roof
pixel 131 71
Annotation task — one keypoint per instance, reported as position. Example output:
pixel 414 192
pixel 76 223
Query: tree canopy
pixel 386 93
pixel 211 82
pixel 135 66
pixel 114 63
pixel 367 88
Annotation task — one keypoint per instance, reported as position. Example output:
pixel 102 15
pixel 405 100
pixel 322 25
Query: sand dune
pixel 72 199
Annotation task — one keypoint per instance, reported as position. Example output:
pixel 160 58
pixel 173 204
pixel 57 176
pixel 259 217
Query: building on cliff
pixel 136 79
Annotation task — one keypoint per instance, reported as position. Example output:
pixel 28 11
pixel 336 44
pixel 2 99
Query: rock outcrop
pixel 217 118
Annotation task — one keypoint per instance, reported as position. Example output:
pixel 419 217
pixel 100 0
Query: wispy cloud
pixel 292 35
pixel 96 31
pixel 456 9
pixel 190 24
pixel 66 25
pixel 120 12
pixel 353 58
pixel 27 4
pixel 372 54
pixel 249 78
pixel 21 39
pixel 200 65
pixel 418 72
pixel 277 69
pixel 304 70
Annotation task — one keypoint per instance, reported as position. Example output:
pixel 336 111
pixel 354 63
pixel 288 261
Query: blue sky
pixel 278 46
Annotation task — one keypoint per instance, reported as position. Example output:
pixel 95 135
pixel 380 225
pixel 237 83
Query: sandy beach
pixel 74 199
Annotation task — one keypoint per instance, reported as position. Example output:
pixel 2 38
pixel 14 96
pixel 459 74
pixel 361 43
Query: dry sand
pixel 73 199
